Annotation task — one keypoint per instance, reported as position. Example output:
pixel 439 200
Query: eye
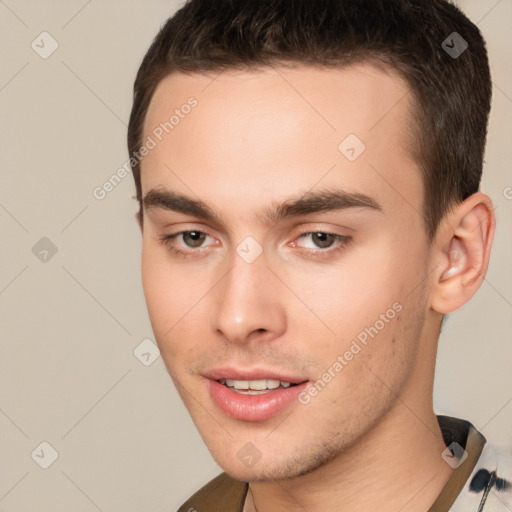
pixel 187 243
pixel 322 240
pixel 193 238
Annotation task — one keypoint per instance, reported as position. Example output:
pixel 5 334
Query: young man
pixel 308 175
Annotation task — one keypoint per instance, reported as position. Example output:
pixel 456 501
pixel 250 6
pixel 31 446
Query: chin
pixel 280 468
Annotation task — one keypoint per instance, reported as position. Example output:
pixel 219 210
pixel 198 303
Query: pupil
pixel 323 240
pixel 194 238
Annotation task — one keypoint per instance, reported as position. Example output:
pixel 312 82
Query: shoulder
pixel 222 493
pixel 489 487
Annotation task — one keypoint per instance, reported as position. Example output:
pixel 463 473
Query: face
pixel 283 256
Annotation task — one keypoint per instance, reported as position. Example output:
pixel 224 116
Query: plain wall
pixel 69 325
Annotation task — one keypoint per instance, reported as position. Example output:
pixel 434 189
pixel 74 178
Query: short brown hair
pixel 452 92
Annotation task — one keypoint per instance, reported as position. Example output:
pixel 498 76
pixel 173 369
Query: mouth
pixel 253 396
pixel 255 387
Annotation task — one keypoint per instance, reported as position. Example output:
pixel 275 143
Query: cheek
pixel 155 283
pixel 364 299
pixel 348 296
pixel 177 306
pixel 165 305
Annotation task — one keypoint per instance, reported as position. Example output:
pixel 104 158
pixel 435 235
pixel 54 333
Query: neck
pixel 397 464
pixel 400 469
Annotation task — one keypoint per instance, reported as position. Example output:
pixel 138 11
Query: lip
pixel 253 408
pixel 254 374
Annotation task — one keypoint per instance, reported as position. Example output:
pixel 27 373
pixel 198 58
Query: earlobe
pixel 464 241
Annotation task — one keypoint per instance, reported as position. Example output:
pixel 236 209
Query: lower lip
pixel 253 407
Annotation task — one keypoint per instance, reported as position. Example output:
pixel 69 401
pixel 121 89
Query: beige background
pixel 69 326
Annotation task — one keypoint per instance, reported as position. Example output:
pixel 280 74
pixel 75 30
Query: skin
pixel 257 139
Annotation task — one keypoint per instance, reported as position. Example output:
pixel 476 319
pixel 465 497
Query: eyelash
pixel 343 242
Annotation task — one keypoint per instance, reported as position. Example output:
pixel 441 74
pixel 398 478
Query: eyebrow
pixel 311 202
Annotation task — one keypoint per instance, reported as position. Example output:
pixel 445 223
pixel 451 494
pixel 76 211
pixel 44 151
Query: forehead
pixel 352 97
pixel 255 134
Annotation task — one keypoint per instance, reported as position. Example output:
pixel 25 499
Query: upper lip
pixel 253 374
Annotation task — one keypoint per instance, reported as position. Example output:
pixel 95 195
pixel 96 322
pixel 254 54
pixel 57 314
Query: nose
pixel 247 304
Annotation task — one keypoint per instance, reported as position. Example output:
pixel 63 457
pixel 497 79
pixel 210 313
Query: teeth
pixel 255 385
pixel 237 384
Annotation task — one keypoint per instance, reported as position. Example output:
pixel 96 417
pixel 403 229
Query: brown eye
pixel 322 244
pixel 323 240
pixel 193 238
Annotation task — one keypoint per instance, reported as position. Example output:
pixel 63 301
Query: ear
pixel 462 248
pixel 138 214
pixel 138 219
